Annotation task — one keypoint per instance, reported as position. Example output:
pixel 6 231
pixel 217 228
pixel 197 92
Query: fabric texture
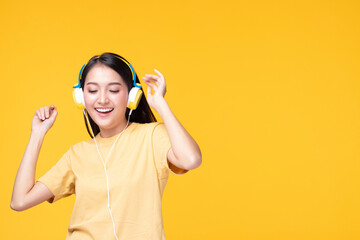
pixel 138 171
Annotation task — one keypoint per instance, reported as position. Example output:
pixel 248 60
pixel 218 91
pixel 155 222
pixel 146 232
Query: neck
pixel 106 133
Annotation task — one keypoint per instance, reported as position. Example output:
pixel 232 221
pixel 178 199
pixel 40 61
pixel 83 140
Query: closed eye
pixel 94 91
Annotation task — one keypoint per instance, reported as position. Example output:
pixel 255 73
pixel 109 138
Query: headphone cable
pixel 104 163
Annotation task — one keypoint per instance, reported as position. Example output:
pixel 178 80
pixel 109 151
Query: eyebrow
pixel 112 83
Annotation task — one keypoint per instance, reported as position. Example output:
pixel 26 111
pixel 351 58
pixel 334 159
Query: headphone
pixel 134 94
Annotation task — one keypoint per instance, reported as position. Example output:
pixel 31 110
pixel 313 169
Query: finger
pixel 46 111
pixel 149 83
pixel 149 93
pixel 153 81
pixel 153 77
pixel 162 78
pixel 37 112
pixel 157 71
pixel 51 109
pixel 54 113
pixel 42 113
pixel 153 87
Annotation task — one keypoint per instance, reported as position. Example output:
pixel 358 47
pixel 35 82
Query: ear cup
pixel 78 97
pixel 134 98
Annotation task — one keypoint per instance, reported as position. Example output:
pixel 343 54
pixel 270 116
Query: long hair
pixel 143 113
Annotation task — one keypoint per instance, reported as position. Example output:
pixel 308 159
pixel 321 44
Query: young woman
pixel 120 174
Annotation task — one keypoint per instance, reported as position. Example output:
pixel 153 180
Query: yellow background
pixel 269 89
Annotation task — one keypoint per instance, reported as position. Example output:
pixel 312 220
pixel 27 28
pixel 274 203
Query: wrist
pixel 162 107
pixel 37 135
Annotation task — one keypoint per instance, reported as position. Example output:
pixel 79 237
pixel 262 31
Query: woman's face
pixel 105 90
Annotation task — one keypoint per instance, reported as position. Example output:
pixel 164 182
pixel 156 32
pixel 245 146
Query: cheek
pixel 121 97
pixel 88 98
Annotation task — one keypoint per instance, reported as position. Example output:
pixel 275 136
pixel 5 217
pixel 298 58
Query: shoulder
pixel 148 127
pixel 146 130
pixel 80 146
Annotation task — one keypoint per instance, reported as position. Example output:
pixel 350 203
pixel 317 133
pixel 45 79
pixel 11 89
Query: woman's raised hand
pixel 43 119
pixel 158 85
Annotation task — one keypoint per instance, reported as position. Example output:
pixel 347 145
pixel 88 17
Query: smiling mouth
pixel 104 110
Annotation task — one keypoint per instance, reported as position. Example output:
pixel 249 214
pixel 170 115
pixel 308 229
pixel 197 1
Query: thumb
pixel 54 111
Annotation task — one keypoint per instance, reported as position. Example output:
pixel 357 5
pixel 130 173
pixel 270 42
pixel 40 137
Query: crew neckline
pixel 100 139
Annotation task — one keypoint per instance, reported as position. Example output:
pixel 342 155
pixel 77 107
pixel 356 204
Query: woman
pixel 120 174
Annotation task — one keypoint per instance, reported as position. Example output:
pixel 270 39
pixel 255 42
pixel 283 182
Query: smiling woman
pixel 105 74
pixel 105 96
pixel 120 174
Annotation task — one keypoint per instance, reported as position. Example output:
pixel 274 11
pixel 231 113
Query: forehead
pixel 102 75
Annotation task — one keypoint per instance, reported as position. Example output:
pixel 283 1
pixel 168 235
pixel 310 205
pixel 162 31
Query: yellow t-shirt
pixel 138 171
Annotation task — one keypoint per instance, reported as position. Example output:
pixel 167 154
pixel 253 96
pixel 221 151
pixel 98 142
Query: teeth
pixel 104 109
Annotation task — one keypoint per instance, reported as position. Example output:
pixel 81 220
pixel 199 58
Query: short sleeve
pixel 60 179
pixel 161 145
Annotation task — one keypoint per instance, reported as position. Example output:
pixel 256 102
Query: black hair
pixel 143 113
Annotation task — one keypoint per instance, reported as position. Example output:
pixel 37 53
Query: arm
pixel 185 152
pixel 26 194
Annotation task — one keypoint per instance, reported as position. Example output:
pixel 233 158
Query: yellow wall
pixel 269 89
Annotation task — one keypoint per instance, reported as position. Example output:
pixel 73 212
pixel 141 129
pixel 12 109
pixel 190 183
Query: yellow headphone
pixel 134 94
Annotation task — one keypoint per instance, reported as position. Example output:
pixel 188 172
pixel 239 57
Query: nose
pixel 103 98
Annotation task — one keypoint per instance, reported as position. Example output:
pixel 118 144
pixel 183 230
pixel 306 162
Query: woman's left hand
pixel 157 84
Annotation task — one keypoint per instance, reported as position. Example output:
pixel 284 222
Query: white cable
pixel 104 163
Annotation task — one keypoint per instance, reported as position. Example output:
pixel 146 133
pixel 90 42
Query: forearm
pixel 25 176
pixel 183 145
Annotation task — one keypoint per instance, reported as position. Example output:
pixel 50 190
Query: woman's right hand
pixel 43 119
